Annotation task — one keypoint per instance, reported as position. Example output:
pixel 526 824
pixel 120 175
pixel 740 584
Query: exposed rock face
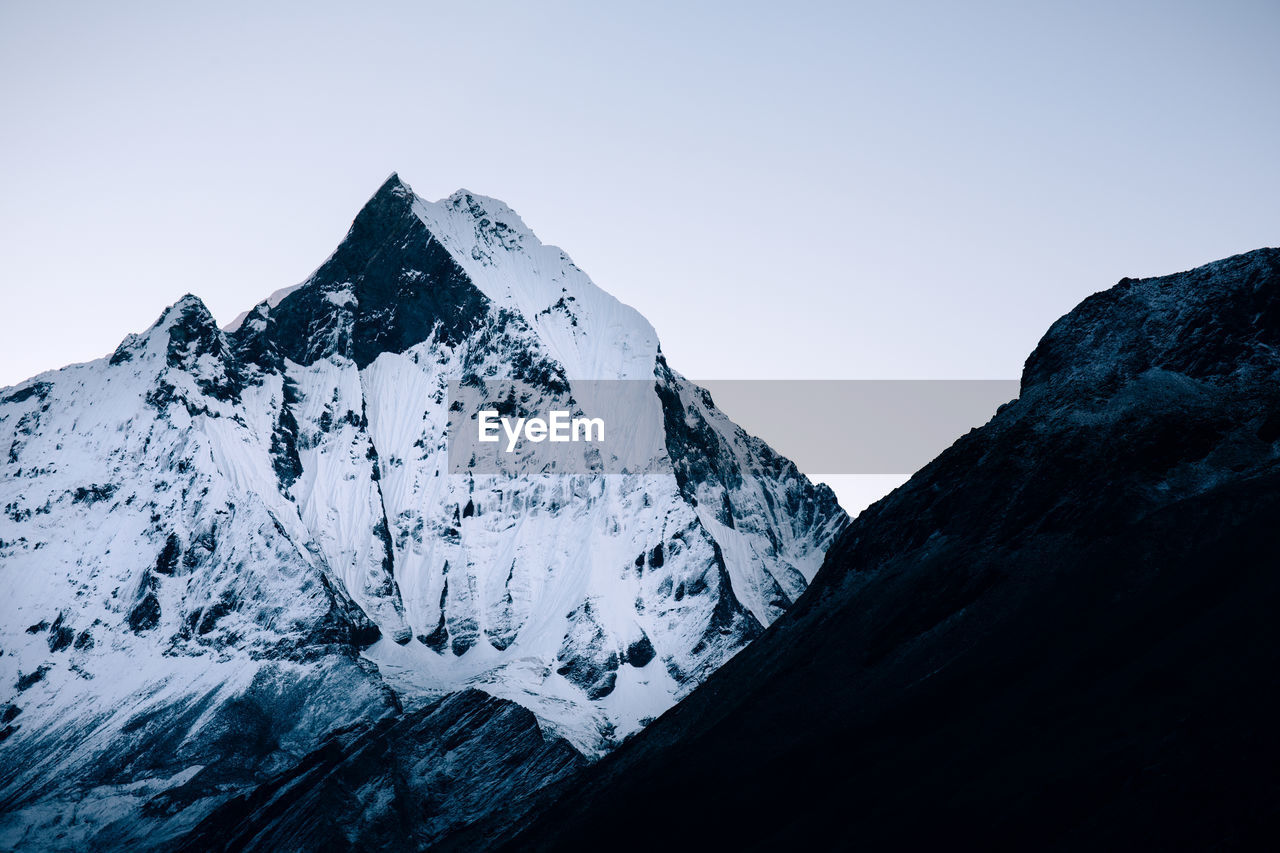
pixel 1060 634
pixel 223 552
pixel 405 783
pixel 390 286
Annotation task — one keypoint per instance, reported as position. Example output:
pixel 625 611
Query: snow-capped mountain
pixel 225 552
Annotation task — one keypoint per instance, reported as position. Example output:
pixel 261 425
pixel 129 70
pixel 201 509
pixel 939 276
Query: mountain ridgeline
pixel 247 604
pixel 1060 634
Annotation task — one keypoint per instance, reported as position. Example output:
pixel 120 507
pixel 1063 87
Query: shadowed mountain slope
pixel 1060 634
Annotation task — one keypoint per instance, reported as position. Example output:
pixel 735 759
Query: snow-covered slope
pixel 220 548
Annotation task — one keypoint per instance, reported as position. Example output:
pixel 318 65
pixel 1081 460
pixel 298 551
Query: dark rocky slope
pixel 1061 634
pixel 398 785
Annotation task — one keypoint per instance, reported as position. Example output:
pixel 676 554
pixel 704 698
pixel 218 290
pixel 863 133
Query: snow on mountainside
pixel 220 550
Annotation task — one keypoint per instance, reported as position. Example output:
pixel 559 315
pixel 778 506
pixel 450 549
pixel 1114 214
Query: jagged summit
pixel 387 287
pixel 395 184
pixel 227 552
pixel 392 201
pixel 189 305
pixel 189 301
pixel 386 210
pixel 408 268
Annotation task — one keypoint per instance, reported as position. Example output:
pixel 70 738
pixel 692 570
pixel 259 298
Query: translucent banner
pixel 859 427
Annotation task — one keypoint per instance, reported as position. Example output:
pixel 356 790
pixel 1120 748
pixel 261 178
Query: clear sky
pixel 811 190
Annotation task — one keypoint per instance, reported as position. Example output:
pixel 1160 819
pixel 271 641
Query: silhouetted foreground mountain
pixel 1062 633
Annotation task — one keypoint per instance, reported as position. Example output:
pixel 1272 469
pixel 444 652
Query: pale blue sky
pixel 820 190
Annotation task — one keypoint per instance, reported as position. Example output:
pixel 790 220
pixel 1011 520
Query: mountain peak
pixel 389 286
pixel 385 210
pixel 394 186
pixel 189 305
